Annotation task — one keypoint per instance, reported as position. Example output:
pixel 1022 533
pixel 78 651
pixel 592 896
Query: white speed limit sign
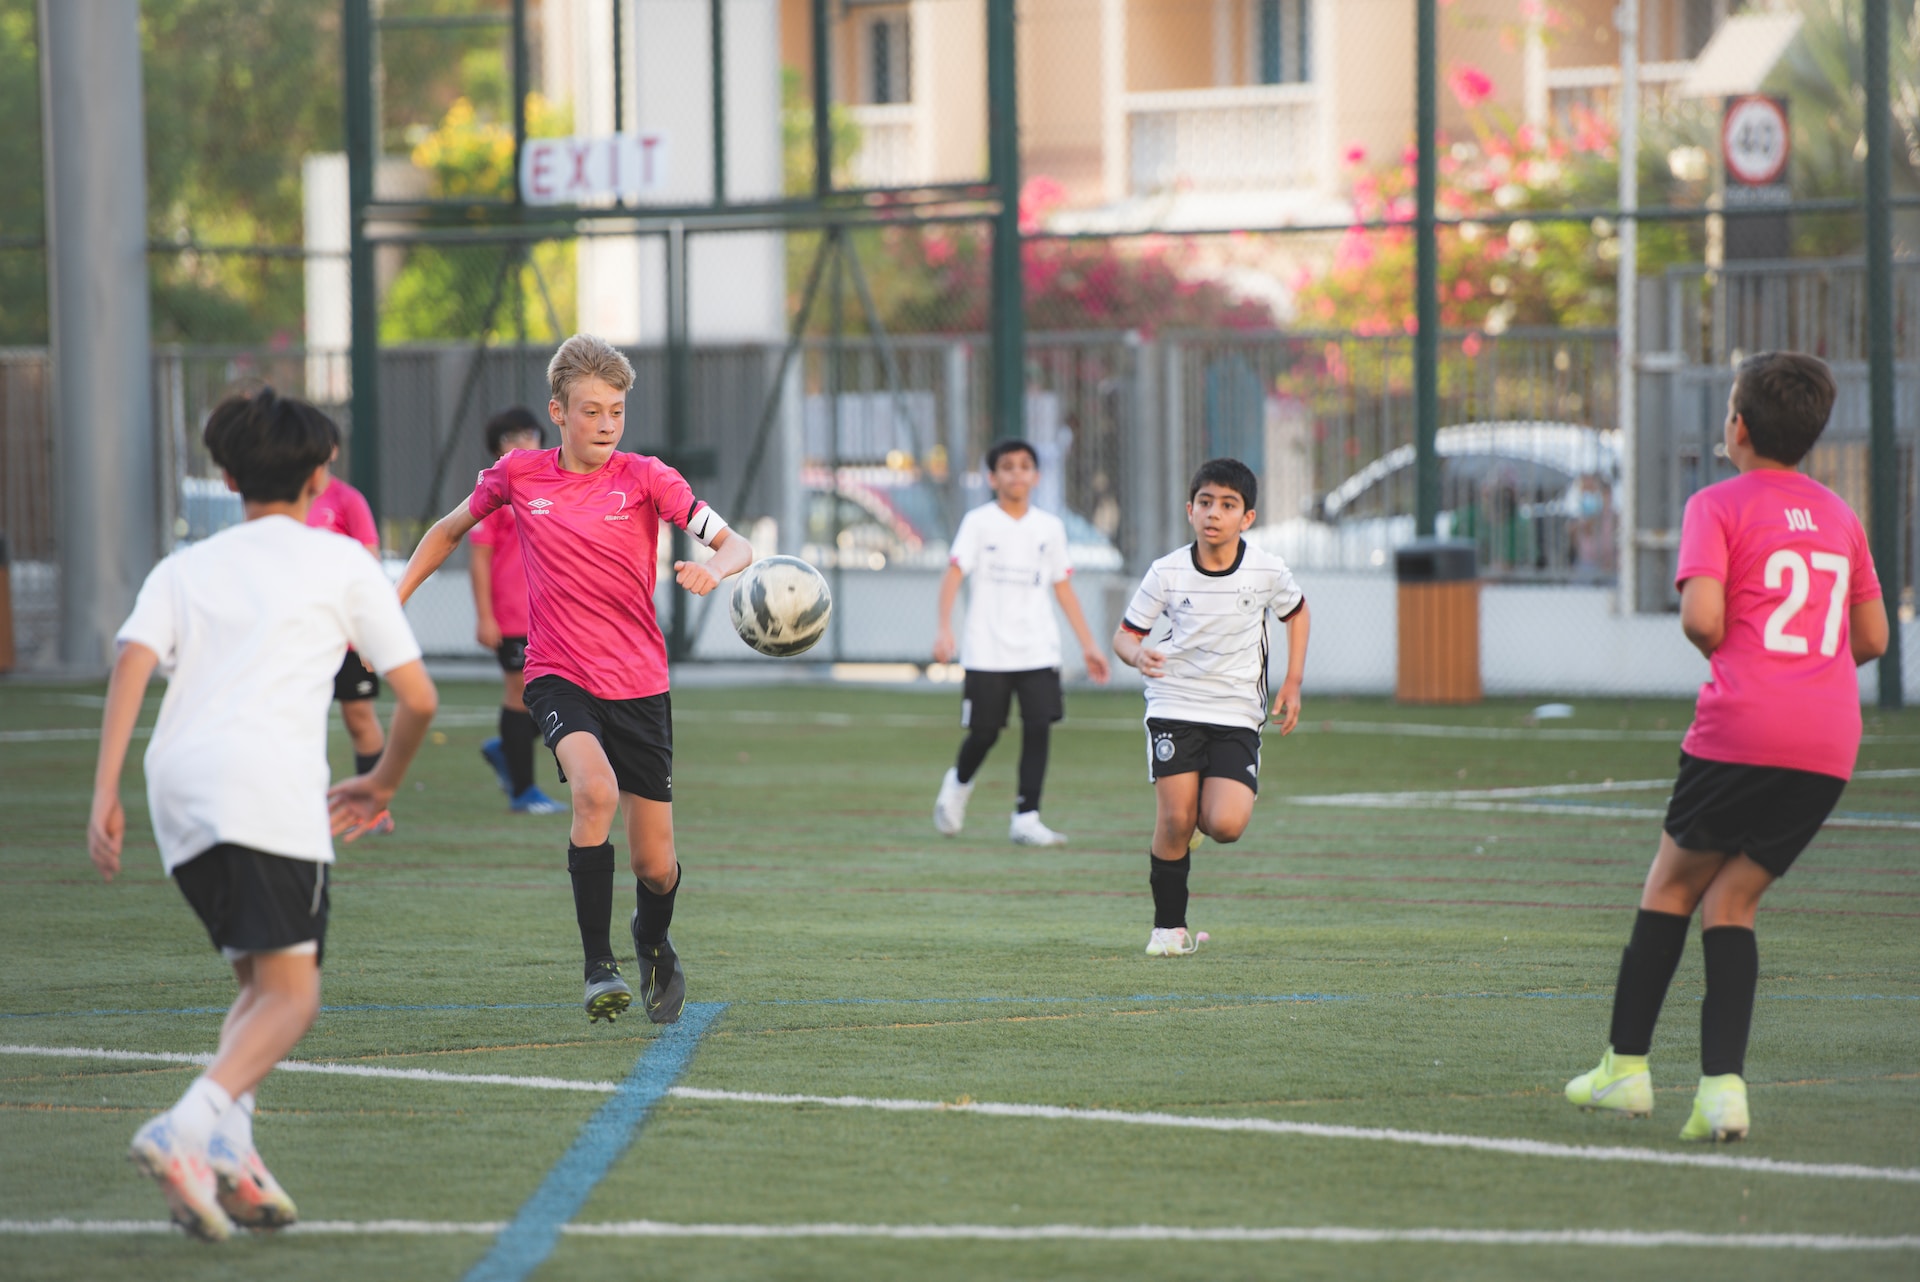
pixel 1753 139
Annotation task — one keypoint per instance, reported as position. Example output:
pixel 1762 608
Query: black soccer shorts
pixel 355 680
pixel 1767 813
pixel 636 734
pixel 253 902
pixel 1200 747
pixel 511 654
pixel 986 698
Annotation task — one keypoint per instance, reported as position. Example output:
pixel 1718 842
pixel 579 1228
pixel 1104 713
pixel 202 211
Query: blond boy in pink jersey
pixel 588 521
pixel 1777 589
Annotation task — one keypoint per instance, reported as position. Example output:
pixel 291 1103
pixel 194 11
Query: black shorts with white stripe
pixel 1199 747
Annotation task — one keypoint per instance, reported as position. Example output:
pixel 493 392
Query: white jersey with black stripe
pixel 1215 634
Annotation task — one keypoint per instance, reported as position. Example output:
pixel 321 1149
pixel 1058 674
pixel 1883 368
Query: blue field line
pixel 530 1238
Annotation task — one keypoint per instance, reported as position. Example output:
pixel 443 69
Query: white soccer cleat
pixel 248 1193
pixel 1027 830
pixel 1173 941
pixel 950 807
pixel 184 1178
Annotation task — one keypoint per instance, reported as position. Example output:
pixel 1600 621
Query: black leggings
pixel 1034 738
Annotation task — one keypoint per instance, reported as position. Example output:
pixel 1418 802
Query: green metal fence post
pixel 678 641
pixel 822 101
pixel 717 27
pixel 1426 342
pixel 1885 460
pixel 1003 159
pixel 364 369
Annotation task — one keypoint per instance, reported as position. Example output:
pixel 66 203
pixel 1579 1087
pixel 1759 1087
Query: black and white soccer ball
pixel 781 606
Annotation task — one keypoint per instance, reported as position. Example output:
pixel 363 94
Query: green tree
pixel 23 277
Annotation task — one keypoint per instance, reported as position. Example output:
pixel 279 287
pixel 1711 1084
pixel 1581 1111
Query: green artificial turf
pixel 1431 969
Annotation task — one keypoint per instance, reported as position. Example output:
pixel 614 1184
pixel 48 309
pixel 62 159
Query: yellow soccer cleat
pixel 1620 1084
pixel 1719 1110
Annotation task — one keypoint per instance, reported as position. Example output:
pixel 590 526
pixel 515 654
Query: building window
pixel 889 75
pixel 1283 36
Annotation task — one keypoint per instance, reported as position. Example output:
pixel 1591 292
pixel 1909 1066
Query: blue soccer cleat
pixel 497 758
pixel 535 802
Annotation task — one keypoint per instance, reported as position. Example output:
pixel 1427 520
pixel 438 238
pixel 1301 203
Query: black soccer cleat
pixel 663 984
pixel 607 993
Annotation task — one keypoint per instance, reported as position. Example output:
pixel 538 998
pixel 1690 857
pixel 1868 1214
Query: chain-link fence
pixel 1218 258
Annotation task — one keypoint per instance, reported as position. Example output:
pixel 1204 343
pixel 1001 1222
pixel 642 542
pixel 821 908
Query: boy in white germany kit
pixel 250 626
pixel 1207 683
pixel 1016 556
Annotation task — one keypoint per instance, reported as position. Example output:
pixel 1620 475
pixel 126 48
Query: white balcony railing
pixel 1251 138
pixel 889 154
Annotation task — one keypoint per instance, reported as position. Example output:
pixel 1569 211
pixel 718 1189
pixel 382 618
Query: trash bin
pixel 1439 606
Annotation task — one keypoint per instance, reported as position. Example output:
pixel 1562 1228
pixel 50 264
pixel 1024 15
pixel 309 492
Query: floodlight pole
pixel 1003 158
pixel 1426 342
pixel 104 457
pixel 363 459
pixel 1627 312
pixel 1884 505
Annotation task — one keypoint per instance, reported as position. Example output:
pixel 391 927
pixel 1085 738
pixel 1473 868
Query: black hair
pixel 1228 472
pixel 1012 445
pixel 269 444
pixel 1785 398
pixel 512 422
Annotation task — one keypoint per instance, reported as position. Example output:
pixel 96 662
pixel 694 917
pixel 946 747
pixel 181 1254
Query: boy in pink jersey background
pixel 1778 590
pixel 500 623
pixel 588 521
pixel 341 509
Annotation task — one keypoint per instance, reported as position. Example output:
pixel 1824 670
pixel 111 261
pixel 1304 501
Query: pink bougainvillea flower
pixel 1471 86
pixel 1356 154
pixel 938 248
pixel 1470 345
pixel 1355 251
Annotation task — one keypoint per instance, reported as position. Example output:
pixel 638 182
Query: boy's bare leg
pixel 596 798
pixel 1176 813
pixel 279 1000
pixel 363 727
pixel 596 793
pixel 656 873
pixel 1226 807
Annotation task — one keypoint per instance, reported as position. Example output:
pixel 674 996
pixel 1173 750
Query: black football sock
pixel 973 751
pixel 517 733
pixel 1646 968
pixel 1033 765
pixel 1168 878
pixel 656 911
pixel 364 762
pixel 591 868
pixel 1733 972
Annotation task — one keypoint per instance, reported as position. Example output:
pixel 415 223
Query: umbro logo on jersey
pixel 539 506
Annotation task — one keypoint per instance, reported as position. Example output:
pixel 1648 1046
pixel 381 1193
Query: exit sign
pixel 591 171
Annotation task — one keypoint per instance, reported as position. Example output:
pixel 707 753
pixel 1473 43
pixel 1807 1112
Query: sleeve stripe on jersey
pixel 1299 606
pixel 1134 628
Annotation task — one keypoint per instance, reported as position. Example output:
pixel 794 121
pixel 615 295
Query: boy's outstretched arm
pixel 1070 606
pixel 1703 613
pixel 353 802
pixel 107 820
pixel 731 554
pixel 1867 630
pixel 1132 649
pixel 435 548
pixel 1286 704
pixel 944 650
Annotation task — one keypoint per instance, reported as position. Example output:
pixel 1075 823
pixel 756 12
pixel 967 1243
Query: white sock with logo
pixel 199 1111
pixel 236 1124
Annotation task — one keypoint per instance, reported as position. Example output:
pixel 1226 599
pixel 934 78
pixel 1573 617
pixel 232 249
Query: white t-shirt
pixel 1011 566
pixel 1216 647
pixel 250 626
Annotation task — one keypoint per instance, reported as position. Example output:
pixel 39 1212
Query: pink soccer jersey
pixel 589 543
pixel 343 510
pixel 509 570
pixel 1793 558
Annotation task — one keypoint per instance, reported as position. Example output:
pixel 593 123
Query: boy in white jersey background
pixel 250 627
pixel 1016 556
pixel 1207 682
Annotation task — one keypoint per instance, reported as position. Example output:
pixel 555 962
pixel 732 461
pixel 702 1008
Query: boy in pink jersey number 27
pixel 1777 589
pixel 588 521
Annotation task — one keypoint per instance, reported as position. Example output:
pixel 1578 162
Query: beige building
pixel 1198 114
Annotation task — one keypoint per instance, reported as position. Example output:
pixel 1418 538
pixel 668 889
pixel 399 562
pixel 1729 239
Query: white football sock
pixel 236 1124
pixel 199 1111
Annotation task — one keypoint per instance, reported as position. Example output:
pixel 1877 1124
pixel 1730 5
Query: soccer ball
pixel 781 606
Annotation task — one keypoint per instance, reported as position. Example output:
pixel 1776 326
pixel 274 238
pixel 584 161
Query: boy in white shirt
pixel 1014 553
pixel 1207 683
pixel 250 627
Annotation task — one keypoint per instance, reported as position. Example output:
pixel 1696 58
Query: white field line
pixel 1055 1113
pixel 1337 1235
pixel 338 1070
